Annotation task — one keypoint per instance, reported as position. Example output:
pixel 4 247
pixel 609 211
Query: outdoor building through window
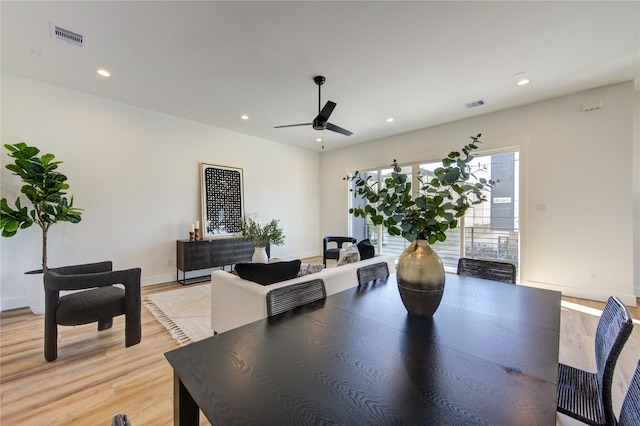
pixel 488 231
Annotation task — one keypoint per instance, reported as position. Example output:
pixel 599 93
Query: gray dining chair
pixel 487 269
pixel 284 299
pixel 584 395
pixel 630 411
pixel 372 272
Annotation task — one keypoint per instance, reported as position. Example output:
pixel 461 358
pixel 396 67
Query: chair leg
pixel 50 341
pixel 105 324
pixel 133 328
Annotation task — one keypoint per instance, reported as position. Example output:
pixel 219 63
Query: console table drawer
pixel 193 255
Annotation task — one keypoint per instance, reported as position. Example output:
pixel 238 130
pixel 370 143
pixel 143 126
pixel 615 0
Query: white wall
pixel 580 165
pixel 135 173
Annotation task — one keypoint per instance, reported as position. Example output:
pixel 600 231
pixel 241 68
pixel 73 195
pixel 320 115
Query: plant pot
pixel 421 277
pixel 260 255
pixel 34 286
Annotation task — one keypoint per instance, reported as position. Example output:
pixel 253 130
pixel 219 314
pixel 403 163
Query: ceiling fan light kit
pixel 321 122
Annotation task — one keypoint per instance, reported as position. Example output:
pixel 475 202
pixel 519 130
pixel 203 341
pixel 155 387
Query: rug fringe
pixel 174 330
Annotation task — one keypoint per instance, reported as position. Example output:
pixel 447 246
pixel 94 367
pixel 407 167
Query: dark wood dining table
pixel 489 355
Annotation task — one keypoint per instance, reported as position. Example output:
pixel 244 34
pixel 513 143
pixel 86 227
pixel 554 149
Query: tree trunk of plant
pixel 44 248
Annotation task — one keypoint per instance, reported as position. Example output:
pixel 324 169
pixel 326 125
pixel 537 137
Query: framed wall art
pixel 222 198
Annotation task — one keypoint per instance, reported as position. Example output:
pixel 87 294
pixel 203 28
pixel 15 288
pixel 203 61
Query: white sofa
pixel 236 302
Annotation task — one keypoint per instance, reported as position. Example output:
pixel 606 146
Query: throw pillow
pixel 310 268
pixel 350 255
pixel 367 251
pixel 268 273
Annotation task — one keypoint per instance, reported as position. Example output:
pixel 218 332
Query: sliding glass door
pixel 488 231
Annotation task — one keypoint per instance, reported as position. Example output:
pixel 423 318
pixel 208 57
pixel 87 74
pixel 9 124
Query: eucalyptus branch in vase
pixel 252 229
pixel 443 199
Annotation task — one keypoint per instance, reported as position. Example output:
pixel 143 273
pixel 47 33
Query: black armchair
pixel 334 252
pixel 99 302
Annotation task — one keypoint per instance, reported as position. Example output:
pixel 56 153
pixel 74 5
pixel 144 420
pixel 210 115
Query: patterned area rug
pixel 185 312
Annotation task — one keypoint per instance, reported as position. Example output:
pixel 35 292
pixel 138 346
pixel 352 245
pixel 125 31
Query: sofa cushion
pixel 367 251
pixel 350 255
pixel 268 273
pixel 310 268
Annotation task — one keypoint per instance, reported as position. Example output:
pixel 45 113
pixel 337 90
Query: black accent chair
pixel 487 269
pixel 99 302
pixel 334 252
pixel 586 396
pixel 630 411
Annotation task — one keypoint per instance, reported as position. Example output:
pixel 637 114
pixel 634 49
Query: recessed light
pixel 103 72
pixel 318 139
pixel 244 116
pixel 522 79
pixel 390 120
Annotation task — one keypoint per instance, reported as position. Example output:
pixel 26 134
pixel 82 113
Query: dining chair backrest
pixel 614 328
pixel 284 299
pixel 487 269
pixel 630 411
pixel 372 272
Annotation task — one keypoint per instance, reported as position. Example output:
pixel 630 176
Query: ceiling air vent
pixel 66 35
pixel 475 104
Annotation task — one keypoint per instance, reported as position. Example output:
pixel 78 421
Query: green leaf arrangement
pixel 259 235
pixel 442 200
pixel 44 187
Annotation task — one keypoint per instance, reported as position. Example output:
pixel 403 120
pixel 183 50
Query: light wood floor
pixel 96 377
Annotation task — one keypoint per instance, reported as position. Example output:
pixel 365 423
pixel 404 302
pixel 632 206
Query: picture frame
pixel 222 200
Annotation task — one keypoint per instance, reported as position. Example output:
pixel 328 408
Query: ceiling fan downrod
pixel 319 80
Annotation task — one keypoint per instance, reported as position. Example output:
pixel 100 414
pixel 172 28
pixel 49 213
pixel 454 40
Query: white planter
pixel 34 286
pixel 260 255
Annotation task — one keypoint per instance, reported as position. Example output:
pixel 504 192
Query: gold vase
pixel 420 275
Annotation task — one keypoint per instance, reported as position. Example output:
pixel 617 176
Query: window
pixel 488 231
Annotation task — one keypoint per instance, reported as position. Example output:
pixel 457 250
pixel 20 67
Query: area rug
pixel 185 312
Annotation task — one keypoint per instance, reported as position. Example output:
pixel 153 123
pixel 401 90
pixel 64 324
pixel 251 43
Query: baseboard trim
pixel 15 303
pixel 601 296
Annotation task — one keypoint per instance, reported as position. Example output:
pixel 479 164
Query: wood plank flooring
pixel 96 377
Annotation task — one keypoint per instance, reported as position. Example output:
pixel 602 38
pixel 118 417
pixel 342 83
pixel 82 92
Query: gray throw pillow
pixel 350 255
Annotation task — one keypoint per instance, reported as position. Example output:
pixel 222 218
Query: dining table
pixel 488 356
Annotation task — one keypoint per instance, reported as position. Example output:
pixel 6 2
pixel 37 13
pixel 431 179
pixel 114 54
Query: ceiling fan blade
pixel 338 129
pixel 326 112
pixel 293 125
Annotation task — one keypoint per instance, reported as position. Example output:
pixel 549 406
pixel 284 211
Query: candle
pixel 191 228
pixel 197 224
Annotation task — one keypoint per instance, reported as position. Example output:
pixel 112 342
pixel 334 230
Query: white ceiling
pixel 418 62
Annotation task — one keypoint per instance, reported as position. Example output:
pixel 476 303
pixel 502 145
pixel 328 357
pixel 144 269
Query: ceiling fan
pixel 321 121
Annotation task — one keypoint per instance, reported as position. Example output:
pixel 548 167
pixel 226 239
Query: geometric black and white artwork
pixel 222 200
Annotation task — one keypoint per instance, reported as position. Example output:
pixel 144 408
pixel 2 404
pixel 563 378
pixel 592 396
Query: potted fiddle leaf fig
pixel 423 220
pixel 44 187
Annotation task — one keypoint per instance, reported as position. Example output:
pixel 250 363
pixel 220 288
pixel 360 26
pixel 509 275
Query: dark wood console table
pixel 205 254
